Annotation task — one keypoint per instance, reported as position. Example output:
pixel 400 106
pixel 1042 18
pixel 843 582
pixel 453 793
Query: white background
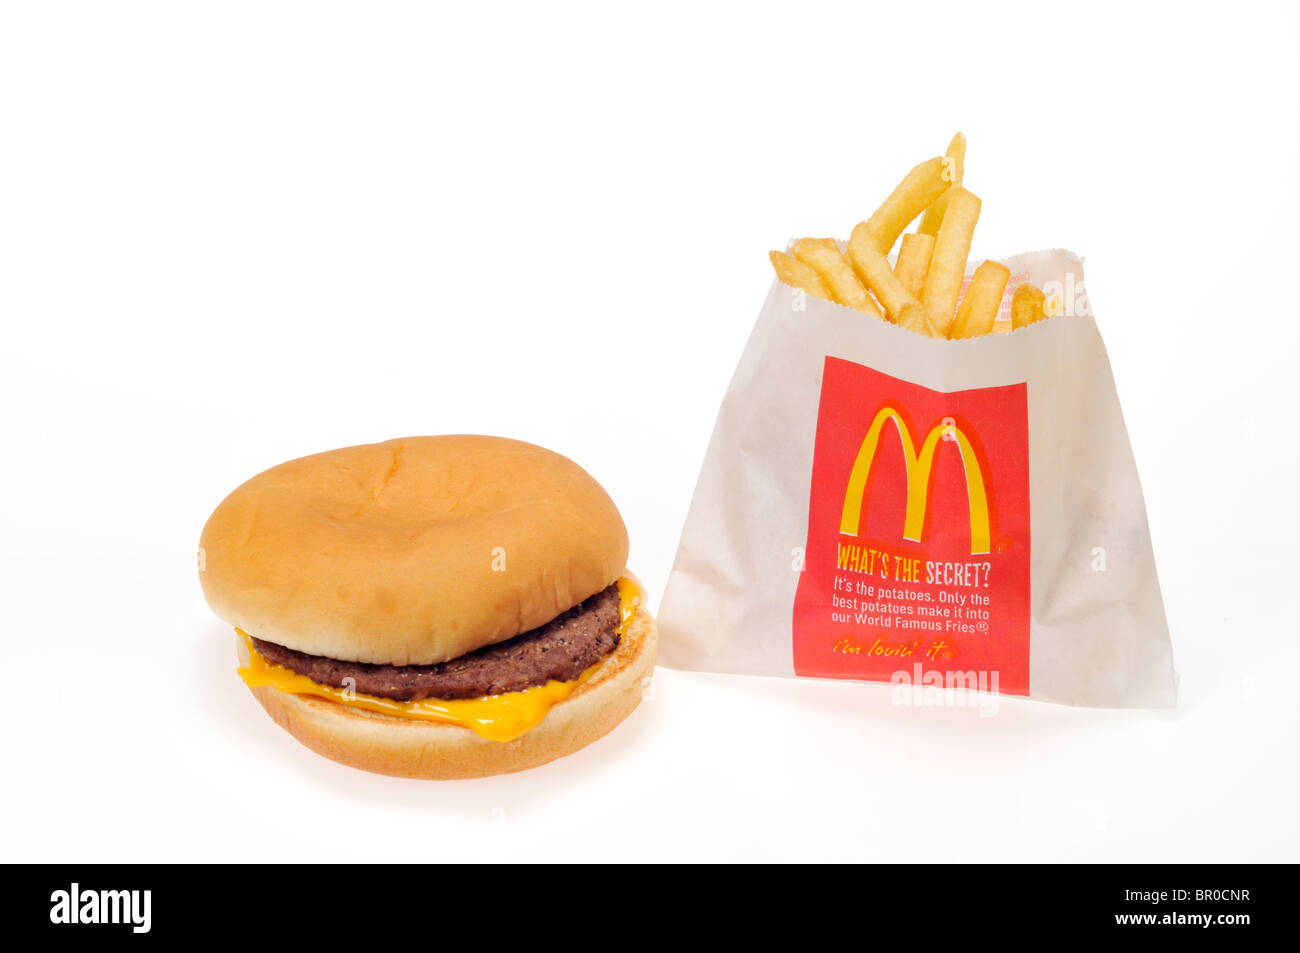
pixel 231 234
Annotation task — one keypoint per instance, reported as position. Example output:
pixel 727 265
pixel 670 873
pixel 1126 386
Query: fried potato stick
pixel 873 268
pixel 979 308
pixel 1027 306
pixel 913 260
pixel 914 318
pixel 823 256
pixel 948 262
pixel 798 275
pixel 956 155
pixel 918 190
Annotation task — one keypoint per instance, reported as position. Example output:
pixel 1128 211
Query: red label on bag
pixel 918 535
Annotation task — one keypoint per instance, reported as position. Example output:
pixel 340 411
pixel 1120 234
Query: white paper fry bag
pixel 879 505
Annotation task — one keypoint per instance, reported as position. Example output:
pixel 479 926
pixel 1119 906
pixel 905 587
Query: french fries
pixel 979 308
pixel 948 261
pixel 1027 306
pixel 873 268
pixel 798 275
pixel 919 188
pixel 915 319
pixel 823 256
pixel 956 155
pixel 913 261
pixel 920 291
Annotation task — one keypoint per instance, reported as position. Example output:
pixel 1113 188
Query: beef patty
pixel 562 650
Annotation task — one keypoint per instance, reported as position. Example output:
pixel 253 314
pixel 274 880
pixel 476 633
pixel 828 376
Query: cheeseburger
pixel 432 607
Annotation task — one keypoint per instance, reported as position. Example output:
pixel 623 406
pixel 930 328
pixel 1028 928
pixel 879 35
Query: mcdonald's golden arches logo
pixel 918 467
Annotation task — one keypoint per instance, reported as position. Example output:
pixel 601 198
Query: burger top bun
pixel 412 551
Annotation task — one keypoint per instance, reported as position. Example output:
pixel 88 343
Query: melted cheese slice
pixel 501 717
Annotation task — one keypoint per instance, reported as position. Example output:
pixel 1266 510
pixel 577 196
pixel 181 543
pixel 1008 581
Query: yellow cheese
pixel 501 717
pixel 631 595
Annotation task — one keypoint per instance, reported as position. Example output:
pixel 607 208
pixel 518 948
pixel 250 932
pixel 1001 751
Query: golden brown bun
pixel 389 552
pixel 419 749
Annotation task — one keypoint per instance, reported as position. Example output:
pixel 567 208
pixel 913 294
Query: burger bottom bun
pixel 409 748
